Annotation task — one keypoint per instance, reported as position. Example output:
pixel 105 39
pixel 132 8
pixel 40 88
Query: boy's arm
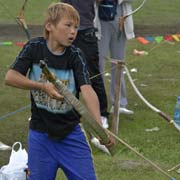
pixel 16 79
pixel 91 100
pixel 92 104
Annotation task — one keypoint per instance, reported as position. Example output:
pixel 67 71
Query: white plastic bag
pixel 15 169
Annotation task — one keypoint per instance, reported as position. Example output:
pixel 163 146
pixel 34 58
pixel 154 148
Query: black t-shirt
pixel 57 118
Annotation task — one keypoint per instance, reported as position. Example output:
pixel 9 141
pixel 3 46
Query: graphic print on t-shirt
pixel 42 100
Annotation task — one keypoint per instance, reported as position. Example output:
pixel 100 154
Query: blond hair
pixel 57 11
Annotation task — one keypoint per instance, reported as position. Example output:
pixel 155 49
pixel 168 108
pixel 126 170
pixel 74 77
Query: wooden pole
pixel 115 120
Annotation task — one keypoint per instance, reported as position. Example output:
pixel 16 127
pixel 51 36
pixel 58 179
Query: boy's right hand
pixel 51 90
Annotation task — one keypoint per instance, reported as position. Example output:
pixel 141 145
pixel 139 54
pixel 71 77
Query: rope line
pixel 141 155
pixel 14 112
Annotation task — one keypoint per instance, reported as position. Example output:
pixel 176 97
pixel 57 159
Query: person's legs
pixel 103 49
pixel 123 99
pixel 104 44
pixel 117 51
pixel 87 42
pixel 74 156
pixel 41 165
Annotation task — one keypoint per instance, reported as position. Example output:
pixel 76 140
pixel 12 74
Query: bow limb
pixel 21 20
pixel 123 18
pixel 87 120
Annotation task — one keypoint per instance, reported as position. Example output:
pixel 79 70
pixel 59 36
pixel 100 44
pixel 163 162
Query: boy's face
pixel 64 33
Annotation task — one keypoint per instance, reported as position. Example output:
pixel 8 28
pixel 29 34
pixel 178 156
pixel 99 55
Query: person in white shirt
pixel 114 41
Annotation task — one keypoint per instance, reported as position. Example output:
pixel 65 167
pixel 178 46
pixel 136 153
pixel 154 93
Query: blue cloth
pixel 72 155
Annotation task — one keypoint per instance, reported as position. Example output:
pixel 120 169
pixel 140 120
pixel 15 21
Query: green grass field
pixel 153 12
pixel 157 78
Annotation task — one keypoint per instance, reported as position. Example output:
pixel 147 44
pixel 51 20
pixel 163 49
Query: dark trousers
pixel 87 42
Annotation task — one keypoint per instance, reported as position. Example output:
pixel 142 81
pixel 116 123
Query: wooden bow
pixel 21 20
pixel 88 121
pixel 123 18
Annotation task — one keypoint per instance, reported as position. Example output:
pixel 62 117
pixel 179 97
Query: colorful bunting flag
pixel 168 38
pixel 158 39
pixel 142 40
pixel 6 43
pixel 149 38
pixel 178 35
pixel 21 44
pixel 9 43
pixel 175 37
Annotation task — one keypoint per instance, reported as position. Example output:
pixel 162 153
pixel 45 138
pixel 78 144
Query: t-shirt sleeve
pixel 80 70
pixel 24 60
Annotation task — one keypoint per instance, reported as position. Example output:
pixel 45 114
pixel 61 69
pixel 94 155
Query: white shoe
pixel 4 147
pixel 122 110
pixel 112 109
pixel 104 122
pixel 125 111
pixel 97 144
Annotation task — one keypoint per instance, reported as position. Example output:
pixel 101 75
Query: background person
pixel 114 41
pixel 86 40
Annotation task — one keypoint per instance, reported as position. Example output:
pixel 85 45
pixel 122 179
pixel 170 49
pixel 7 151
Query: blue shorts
pixel 72 155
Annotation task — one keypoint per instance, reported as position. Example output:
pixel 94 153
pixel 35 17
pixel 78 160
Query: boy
pixel 55 137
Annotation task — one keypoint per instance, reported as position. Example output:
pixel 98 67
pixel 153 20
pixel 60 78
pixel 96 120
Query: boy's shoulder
pixel 75 49
pixel 75 54
pixel 37 40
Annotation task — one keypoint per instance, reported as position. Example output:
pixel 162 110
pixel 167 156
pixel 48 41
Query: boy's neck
pixel 55 47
